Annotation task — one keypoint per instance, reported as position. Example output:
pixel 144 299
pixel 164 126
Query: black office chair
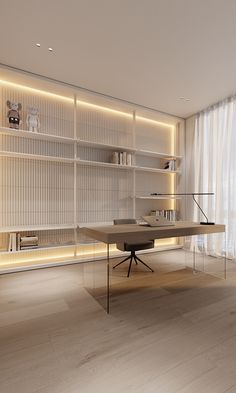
pixel 132 247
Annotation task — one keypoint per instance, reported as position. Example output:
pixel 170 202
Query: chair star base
pixel 133 257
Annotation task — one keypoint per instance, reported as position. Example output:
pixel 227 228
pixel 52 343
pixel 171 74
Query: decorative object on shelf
pixel 171 165
pixel 32 120
pixel 13 114
pixel 115 157
pixel 193 196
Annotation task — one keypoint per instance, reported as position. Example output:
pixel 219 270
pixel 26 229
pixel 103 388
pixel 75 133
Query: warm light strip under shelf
pixel 105 109
pixel 38 91
pixel 155 122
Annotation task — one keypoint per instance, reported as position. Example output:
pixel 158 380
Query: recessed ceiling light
pixel 38 45
pixel 184 99
pixel 50 49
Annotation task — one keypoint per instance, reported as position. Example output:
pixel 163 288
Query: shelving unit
pixel 55 181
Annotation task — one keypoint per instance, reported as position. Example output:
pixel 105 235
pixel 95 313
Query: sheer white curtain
pixel 214 168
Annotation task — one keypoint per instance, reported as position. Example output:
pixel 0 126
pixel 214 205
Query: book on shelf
pixel 18 241
pixel 121 158
pixel 124 161
pixel 129 159
pixel 12 242
pixel 28 240
pixel 28 247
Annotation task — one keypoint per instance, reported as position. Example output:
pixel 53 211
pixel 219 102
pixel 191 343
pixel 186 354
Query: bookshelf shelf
pixel 98 145
pixel 35 135
pixel 159 155
pixel 36 228
pixel 157 170
pixel 11 154
pixel 104 164
pixel 40 248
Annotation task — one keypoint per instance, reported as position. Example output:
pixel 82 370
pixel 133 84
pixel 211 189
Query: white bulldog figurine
pixel 32 119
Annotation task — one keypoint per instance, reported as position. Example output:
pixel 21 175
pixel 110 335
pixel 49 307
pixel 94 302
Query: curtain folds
pixel 214 168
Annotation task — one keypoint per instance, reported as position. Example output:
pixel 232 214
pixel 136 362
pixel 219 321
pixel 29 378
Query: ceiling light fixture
pixel 184 98
pixel 50 49
pixel 38 45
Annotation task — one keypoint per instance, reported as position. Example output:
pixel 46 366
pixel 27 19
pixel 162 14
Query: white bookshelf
pixel 55 181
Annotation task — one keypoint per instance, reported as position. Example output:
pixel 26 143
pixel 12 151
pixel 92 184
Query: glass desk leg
pixel 209 254
pixel 108 279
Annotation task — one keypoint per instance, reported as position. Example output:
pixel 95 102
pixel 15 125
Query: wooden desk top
pixel 132 232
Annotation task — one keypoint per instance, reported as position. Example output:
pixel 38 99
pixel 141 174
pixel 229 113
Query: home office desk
pixel 111 234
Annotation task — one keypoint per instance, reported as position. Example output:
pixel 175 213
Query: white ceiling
pixel 150 52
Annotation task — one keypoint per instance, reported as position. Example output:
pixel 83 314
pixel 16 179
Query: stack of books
pixel 28 242
pixel 122 158
pixel 168 214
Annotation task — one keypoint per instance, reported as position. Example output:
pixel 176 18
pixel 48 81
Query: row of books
pixel 18 242
pixel 171 165
pixel 122 158
pixel 168 214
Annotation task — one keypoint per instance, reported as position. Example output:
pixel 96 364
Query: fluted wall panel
pixel 16 144
pixel 153 136
pixel 35 192
pixel 104 127
pixel 148 183
pixel 104 194
pixel 92 154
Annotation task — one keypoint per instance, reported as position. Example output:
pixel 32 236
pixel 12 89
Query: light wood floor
pixel 170 331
